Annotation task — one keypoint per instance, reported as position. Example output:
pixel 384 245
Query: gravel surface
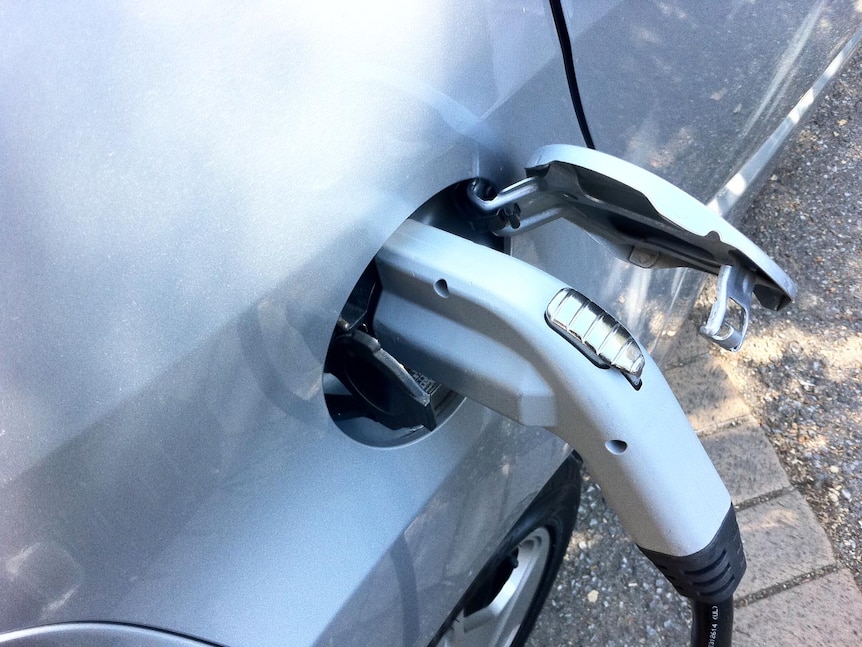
pixel 800 372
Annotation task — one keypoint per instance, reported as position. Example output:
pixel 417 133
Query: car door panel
pixel 690 90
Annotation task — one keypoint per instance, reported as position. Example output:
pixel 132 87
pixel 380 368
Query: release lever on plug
pixel 596 334
pixel 642 219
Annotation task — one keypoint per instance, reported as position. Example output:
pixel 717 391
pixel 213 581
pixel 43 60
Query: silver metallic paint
pixel 189 193
pixel 689 90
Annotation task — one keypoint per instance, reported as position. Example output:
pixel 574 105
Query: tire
pixel 501 606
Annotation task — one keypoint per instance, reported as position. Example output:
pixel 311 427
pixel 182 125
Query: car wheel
pixel 501 606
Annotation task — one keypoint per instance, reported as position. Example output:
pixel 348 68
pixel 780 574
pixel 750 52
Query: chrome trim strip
pixel 728 196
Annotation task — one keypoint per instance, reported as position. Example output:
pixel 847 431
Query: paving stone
pixel 706 394
pixel 783 540
pixel 746 461
pixel 688 346
pixel 824 612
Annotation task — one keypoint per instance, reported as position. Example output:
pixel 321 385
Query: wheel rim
pixel 496 624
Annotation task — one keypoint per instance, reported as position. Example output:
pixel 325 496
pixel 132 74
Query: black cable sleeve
pixel 569 64
pixel 711 574
pixel 712 624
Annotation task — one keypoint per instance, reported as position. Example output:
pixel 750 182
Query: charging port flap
pixel 646 221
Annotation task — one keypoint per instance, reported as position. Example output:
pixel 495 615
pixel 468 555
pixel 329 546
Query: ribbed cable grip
pixel 712 574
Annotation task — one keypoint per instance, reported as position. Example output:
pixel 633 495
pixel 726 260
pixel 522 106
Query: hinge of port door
pixel 647 221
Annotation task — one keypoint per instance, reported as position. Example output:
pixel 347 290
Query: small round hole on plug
pixel 616 446
pixel 441 288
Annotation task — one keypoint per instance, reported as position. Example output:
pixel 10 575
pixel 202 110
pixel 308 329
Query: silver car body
pixel 189 192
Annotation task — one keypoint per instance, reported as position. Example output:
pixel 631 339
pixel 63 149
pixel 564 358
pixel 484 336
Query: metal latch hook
pixel 735 285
